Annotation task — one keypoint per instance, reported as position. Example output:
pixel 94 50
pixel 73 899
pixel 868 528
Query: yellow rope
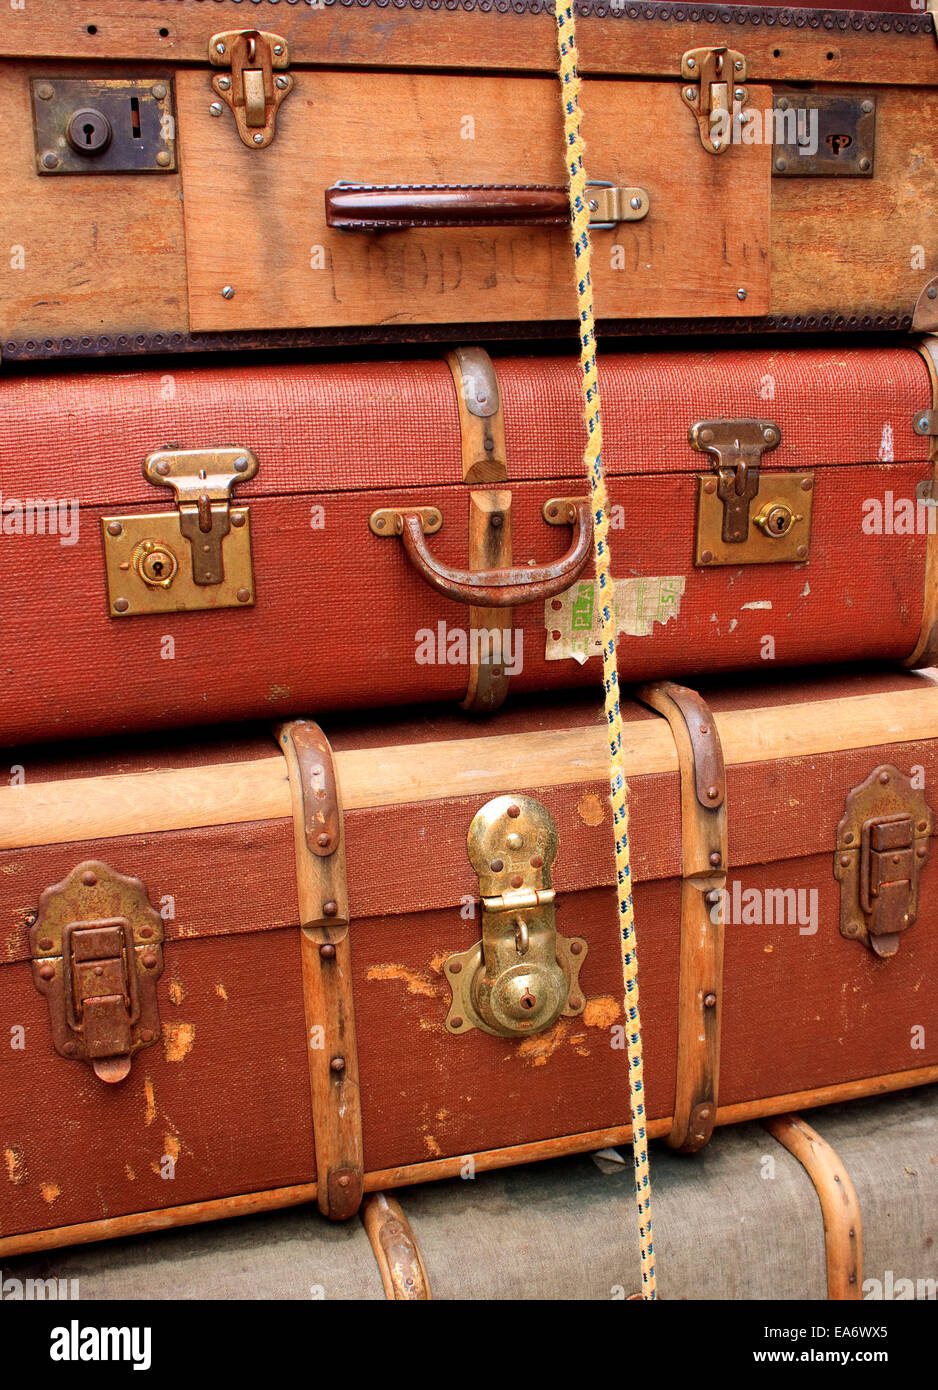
pixel 566 38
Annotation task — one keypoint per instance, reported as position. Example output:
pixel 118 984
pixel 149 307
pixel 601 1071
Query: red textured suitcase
pixel 192 546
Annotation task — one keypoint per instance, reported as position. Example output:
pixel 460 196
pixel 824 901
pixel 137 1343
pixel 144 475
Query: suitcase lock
pixel 711 89
pixel 882 847
pixel 256 82
pixel 96 948
pixel 522 976
pixel 196 557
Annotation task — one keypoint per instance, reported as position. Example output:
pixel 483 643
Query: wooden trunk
pixel 228 242
pixel 327 612
pixel 271 886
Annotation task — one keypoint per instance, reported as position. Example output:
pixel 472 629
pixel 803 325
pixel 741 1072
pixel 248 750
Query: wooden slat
pixel 145 802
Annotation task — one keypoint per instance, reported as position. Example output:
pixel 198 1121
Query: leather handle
pixel 382 207
pixel 497 588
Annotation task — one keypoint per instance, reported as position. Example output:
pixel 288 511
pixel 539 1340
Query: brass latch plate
pixel 822 136
pixel 196 557
pixel 103 125
pixel 779 529
pixel 256 82
pixel 711 79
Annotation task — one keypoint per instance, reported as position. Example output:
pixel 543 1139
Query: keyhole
pixel 135 116
pixel 527 1000
pixel 779 523
pixel 157 566
pixel 88 133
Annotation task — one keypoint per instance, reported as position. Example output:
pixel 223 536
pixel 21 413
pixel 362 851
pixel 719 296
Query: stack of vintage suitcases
pixel 299 629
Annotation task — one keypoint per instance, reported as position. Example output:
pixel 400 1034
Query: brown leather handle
pixel 502 588
pixel 366 207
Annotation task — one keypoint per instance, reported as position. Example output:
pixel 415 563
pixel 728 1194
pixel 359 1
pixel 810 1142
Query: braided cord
pixel 574 150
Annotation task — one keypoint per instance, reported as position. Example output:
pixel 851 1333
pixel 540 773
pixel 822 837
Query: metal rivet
pixel 706 436
pixel 99 969
pixel 344 1180
pixel 806 484
pixel 866 107
pixel 496 866
pixel 455 1022
pixel 163 159
pixel 883 778
pixel 121 605
pixel 70 1047
pixel 713 793
pixel 922 825
pixel 89 879
pixel 243 596
pixel 852 929
pixel 537 861
pixel 864 164
pixel 227 292
pixel 845 860
pixel 635 203
pixel 740 293
pixel 146 932
pixel 220 49
pixel 496 520
pixel 848 838
pixel 769 435
pixel 456 968
pixel 802 551
pixel 45 91
pixel 516 880
pixel 718 145
pixel 238 518
pixel 781 164
pixel 46 944
pixel 146 1035
pixel 47 972
pixel 740 94
pixel 738 65
pixel 576 948
pixel 149 959
pixel 710 1001
pixel 710 485
pixel 216 108
pixel 515 841
pixel 258 138
pixel 330 909
pixel 706 557
pixel 574 1003
pixel 327 951
pixel 114 528
pixel 159 91
pixel 278 49
pixel 50 160
pixel 240 463
pixel 690 93
pixel 514 811
pixel 716 859
pixel 337 1064
pixel 323 840
pixel 692 62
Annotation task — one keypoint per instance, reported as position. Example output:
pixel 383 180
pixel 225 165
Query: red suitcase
pixel 763 509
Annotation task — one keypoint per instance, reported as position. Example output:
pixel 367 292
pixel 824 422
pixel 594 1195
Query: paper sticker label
pixel 573 620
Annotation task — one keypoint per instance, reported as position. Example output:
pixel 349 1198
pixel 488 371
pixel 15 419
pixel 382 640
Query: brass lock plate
pixel 883 843
pixel 522 976
pixel 96 950
pixel 823 136
pixel 136 546
pixel 779 529
pixel 103 125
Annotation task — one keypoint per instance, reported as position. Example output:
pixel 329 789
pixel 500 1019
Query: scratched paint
pixel 601 1012
pixel 416 981
pixel 50 1191
pixel 590 809
pixel 178 1039
pixel 15 1161
pixel 149 1114
pixel 176 993
pixel 221 992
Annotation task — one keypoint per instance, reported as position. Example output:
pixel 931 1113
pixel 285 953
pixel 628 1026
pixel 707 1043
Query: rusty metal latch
pixel 96 949
pixel 257 80
pixel 711 79
pixel 523 974
pixel 196 557
pixel 882 847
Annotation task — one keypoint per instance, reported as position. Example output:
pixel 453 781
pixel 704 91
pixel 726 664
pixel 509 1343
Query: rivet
pixel 149 959
pixel 45 91
pixel 718 145
pixel 716 859
pixel 574 1003
pixel 690 93
pixel 47 972
pixel 121 605
pixel 258 138
pixel 159 91
pixel 692 62
pixel 537 861
pixel 227 292
pixel 70 1048
pixel 740 94
pixel 496 866
pixel 220 49
pixel 278 49
pixel 162 468
pixel 89 879
pixel 883 778
pixel 738 65
pixel 806 484
pixel 802 551
pixel 516 880
pixel 243 595
pixel 844 861
pixel 327 951
pixel 706 556
pixel 238 518
pixel 852 929
pixel 740 293
pixel 343 1180
pixel 514 811
pixel 456 1022
pixel 864 164
pixel 781 164
pixel 46 943
pixel 713 793
pixel 866 107
pixel 576 948
pixel 922 825
pixel 146 932
pixel 163 159
pixel 710 1001
pixel 848 838
pixel 216 108
pixel 114 528
pixel 710 485
pixel 337 1064
pixel 495 520
pixel 515 841
pixel 769 435
pixel 329 909
pixel 50 160
pixel 921 852
pixel 323 840
pixel 932 291
pixel 456 968
pixel 146 1035
pixel 99 970
pixel 706 436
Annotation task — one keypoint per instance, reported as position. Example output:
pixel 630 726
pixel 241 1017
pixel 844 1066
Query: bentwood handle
pixel 365 207
pixel 501 588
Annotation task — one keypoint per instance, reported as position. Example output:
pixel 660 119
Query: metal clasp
pixel 97 955
pixel 196 557
pixel 712 90
pixel 257 83
pixel 522 976
pixel 735 448
pixel 882 847
pixel 609 205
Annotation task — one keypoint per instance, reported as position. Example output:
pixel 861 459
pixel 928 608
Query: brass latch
pixel 522 975
pixel 712 90
pixel 97 954
pixel 196 557
pixel 882 847
pixel 727 533
pixel 257 82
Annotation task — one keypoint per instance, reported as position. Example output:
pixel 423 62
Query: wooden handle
pixel 501 588
pixel 362 207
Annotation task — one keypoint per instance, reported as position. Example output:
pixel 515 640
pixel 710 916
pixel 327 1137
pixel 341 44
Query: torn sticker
pixel 574 623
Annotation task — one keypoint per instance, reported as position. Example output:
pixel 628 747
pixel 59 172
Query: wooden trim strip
pixel 244 1204
pixel 925 652
pixel 843 1231
pixel 48 813
pixel 326 954
pixel 403 1272
pixel 703 868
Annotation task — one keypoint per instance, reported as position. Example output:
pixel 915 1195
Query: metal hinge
pixel 196 557
pixel 712 90
pixel 727 534
pixel 256 83
pixel 882 847
pixel 522 975
pixel 97 954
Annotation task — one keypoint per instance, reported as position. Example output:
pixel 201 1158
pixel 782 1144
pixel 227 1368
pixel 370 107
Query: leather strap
pixel 363 207
pixel 925 652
